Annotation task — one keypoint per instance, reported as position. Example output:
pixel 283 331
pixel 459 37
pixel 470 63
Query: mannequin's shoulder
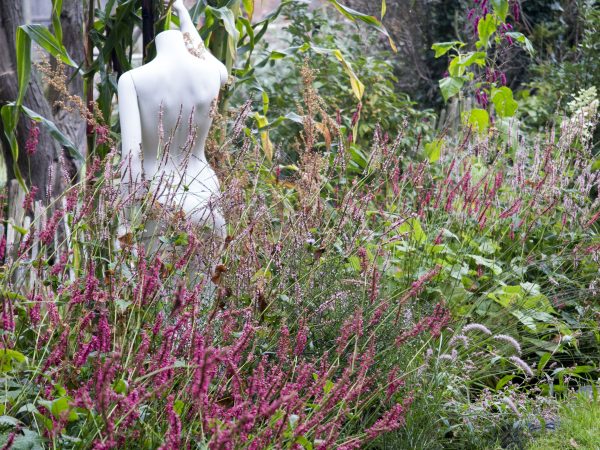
pixel 218 67
pixel 127 79
pixel 145 70
pixel 126 83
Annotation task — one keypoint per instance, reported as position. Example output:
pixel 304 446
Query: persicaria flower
pixel 173 437
pixel 512 210
pixel 391 420
pixel 301 339
pixel 32 142
pixel 103 334
pixel 516 10
pixel 47 234
pixel 29 198
pixel 102 134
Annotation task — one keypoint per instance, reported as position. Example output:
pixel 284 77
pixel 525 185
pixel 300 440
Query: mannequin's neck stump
pixel 170 43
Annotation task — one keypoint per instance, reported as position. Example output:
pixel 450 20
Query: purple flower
pixel 173 436
pixel 32 142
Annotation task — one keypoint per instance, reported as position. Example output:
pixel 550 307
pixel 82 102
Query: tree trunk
pixel 42 169
pixel 415 25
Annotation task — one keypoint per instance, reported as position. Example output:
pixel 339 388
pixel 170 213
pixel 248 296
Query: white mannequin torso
pixel 169 101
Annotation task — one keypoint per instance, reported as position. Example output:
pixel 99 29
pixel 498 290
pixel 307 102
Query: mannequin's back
pixel 174 92
pixel 165 106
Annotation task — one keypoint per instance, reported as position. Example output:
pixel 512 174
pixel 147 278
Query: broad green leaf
pixel 265 99
pixel 383 9
pixel 9 114
pixel 304 442
pixel 267 145
pixel 433 150
pixel 543 361
pixel 500 8
pixel 481 261
pixel 472 58
pixel 225 15
pixel 502 382
pixel 450 86
pixel 121 386
pixel 55 133
pixel 46 40
pixel 354 15
pixel 24 439
pixel 527 319
pixel 357 87
pixel 504 102
pixel 520 38
pixel 479 118
pixel 23 44
pixel 441 48
pixel 485 28
pixel 61 406
pixel 178 406
pixel 414 230
pixel 354 262
pixel 249 7
pixel 455 69
pixel 8 357
pixel 56 25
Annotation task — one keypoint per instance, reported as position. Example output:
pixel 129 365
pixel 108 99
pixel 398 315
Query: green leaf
pixel 56 25
pixel 249 7
pixel 23 44
pixel 60 406
pixel 481 261
pixel 354 15
pixel 304 442
pixel 122 305
pixel 485 28
pixel 121 386
pixel 55 133
pixel 433 150
pixel 8 357
pixel 9 114
pixel 504 102
pixel 357 87
pixel 267 145
pixel 383 9
pixel 441 48
pixel 471 58
pixel 543 361
pixel 450 86
pixel 413 228
pixel 479 118
pixel 500 8
pixel 520 38
pixel 354 262
pixel 178 407
pixel 8 421
pixel 25 439
pixel 225 15
pixel 502 382
pixel 46 40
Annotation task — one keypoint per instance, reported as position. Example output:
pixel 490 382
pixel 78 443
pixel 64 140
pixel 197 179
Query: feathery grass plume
pixel 509 340
pixel 522 365
pixel 476 327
